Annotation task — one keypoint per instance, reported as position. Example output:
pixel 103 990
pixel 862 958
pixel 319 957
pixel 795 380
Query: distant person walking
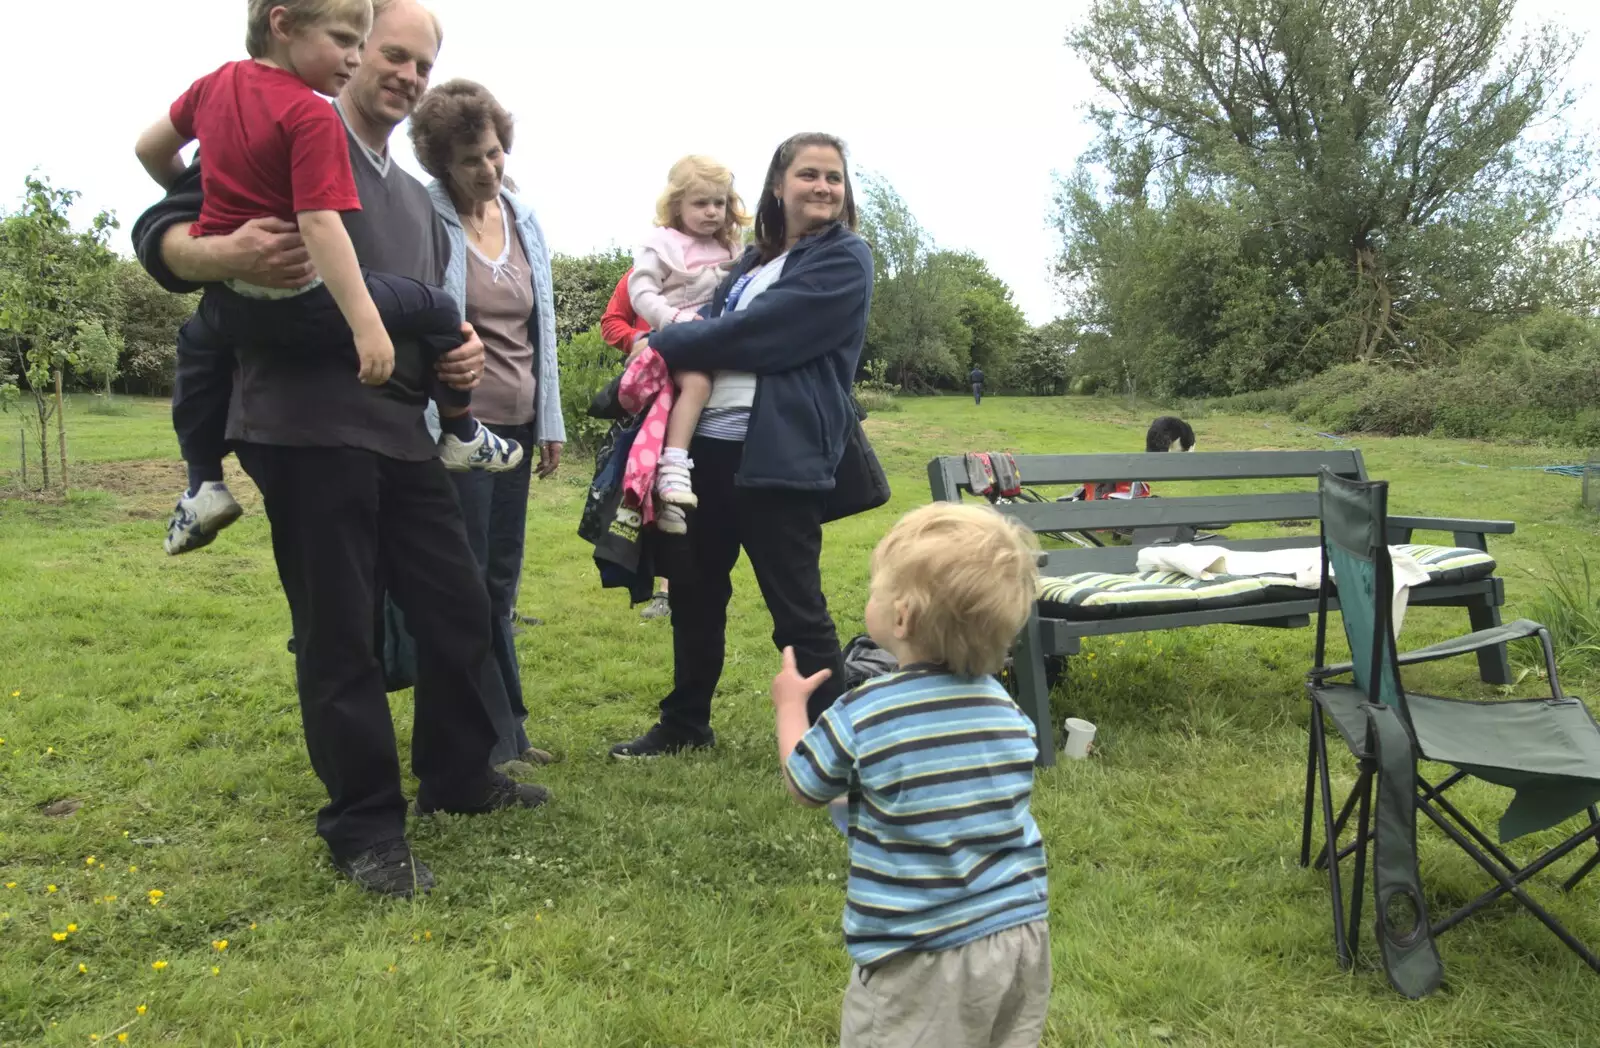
pixel 976 378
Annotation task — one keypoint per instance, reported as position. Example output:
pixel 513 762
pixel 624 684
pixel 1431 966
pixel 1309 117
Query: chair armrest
pixel 1468 534
pixel 1478 527
pixel 1463 645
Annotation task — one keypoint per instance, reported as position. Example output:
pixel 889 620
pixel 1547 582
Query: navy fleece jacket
pixel 802 338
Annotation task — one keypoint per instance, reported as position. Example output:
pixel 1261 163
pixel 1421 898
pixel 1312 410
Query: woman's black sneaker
pixel 388 868
pixel 661 741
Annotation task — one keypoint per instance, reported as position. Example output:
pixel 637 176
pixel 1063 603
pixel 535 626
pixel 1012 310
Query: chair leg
pixel 1033 692
pixel 1311 787
pixel 1364 788
pixel 1435 794
pixel 1494 665
pixel 1339 823
pixel 1341 945
pixel 1593 861
pixel 1512 883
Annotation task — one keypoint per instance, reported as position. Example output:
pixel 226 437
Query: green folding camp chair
pixel 1546 750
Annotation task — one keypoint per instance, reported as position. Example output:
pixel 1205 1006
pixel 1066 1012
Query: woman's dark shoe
pixel 660 741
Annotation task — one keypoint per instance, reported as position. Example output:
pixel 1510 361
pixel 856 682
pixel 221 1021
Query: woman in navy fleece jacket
pixel 782 339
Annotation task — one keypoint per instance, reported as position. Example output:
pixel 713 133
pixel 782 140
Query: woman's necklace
pixel 477 226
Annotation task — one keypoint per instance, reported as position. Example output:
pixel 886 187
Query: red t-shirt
pixel 619 324
pixel 272 147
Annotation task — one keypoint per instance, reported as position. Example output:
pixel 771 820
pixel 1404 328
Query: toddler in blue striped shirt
pixel 946 907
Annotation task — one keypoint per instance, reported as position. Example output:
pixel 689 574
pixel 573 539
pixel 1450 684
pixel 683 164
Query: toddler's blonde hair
pixel 301 14
pixel 967 578
pixel 685 175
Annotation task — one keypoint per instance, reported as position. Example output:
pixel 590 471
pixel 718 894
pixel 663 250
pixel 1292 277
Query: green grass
pixel 686 902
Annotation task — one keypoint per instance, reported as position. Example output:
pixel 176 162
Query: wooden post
pixel 61 431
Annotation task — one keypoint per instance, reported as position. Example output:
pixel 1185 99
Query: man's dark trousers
pixel 325 505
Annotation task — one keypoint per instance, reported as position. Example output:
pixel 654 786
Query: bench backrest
pixel 947 476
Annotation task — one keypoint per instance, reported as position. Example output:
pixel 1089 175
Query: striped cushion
pixel 1450 564
pixel 1100 595
pixel 1097 595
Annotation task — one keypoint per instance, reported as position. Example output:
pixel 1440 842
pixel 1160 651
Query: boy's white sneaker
pixel 196 519
pixel 487 451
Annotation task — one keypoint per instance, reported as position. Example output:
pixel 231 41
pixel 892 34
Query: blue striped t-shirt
pixel 939 771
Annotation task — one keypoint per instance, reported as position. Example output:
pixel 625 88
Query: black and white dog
pixel 1168 432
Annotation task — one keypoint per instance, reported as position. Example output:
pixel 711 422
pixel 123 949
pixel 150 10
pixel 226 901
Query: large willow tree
pixel 1280 185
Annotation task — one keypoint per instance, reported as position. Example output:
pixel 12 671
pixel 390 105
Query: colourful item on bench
pixel 980 474
pixel 993 474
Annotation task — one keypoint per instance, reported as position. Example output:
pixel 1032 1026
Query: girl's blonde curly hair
pixel 701 170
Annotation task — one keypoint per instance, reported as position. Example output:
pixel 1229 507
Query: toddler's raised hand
pixel 789 688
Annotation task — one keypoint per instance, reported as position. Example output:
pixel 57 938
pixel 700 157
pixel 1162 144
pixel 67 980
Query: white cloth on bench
pixel 1300 567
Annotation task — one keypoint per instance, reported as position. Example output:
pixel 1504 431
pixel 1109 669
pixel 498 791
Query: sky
pixel 971 115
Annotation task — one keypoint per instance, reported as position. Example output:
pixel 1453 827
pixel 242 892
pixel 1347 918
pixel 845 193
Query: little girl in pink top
pixel 700 224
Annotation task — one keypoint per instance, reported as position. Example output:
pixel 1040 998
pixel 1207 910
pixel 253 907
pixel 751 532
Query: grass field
pixel 685 902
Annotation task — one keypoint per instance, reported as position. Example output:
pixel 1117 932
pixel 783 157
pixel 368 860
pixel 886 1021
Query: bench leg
pixel 1033 691
pixel 1494 665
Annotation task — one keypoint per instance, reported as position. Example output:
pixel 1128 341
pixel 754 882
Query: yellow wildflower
pixel 142 1009
pixel 159 965
pixel 48 750
pixel 122 1038
pixel 11 884
pixel 83 969
pixel 59 936
pixel 89 861
pixel 133 869
pixel 219 944
pixel 111 898
pixel 72 927
pixel 94 1037
pixel 156 895
pixel 16 695
pixel 216 971
pixel 252 925
pixel 2 741
pixel 427 936
pixel 50 888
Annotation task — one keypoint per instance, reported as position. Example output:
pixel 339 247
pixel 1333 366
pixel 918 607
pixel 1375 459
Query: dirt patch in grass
pixel 145 489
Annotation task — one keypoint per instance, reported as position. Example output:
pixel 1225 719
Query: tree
pixel 915 327
pixel 1288 178
pixel 583 286
pixel 96 352
pixel 51 280
pixel 994 325
pixel 1042 364
pixel 150 317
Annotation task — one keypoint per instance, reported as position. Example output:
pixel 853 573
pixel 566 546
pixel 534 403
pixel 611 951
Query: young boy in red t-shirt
pixel 272 147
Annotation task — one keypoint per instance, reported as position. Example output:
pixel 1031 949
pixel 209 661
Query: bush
pixel 587 366
pixel 583 286
pixel 876 393
pixel 100 404
pixel 1537 379
pixel 874 401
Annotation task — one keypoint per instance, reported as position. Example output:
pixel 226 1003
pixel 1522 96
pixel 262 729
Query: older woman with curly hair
pixel 499 273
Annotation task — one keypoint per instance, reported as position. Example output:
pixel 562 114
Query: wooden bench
pixel 1177 519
